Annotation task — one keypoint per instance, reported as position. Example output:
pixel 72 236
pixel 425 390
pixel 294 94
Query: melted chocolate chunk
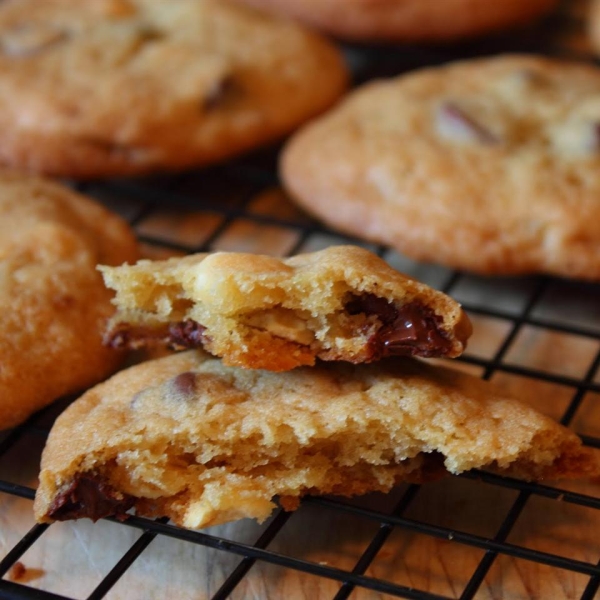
pixel 89 496
pixel 415 331
pixel 185 383
pixel 186 334
pixel 411 330
pixel 372 305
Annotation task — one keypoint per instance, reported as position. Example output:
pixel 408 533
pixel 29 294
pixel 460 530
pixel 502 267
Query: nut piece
pixel 283 323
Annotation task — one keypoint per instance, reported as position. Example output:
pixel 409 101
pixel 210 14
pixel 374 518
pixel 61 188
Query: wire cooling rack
pixel 475 536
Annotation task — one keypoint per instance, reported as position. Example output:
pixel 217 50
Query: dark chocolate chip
pixel 412 329
pixel 89 496
pixel 372 305
pixel 219 92
pixel 416 331
pixel 185 383
pixel 186 334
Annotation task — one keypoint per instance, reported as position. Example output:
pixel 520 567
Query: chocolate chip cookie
pixel 594 25
pixel 489 165
pixel 261 312
pixel 409 20
pixel 118 87
pixel 186 437
pixel 53 304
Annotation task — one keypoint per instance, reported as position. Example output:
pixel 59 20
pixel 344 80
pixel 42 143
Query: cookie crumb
pixel 17 571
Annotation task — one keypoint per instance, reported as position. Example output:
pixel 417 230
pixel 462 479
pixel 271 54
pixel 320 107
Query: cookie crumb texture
pixel 186 437
pixel 117 87
pixel 490 165
pixel 262 312
pixel 17 572
pixel 53 304
pixel 409 20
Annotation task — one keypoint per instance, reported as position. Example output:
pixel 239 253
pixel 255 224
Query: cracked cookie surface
pixel 262 312
pixel 490 165
pixel 53 304
pixel 186 437
pixel 117 87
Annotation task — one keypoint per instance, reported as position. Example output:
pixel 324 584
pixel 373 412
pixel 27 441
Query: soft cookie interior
pixel 342 303
pixel 186 437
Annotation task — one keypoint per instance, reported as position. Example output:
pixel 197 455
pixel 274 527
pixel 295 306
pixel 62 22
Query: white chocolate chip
pixel 576 138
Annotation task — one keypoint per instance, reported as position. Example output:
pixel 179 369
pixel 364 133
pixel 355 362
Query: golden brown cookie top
pixel 593 24
pixel 127 86
pixel 409 20
pixel 490 165
pixel 341 303
pixel 203 443
pixel 53 304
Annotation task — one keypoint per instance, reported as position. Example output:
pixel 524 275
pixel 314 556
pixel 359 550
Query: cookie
pixel 594 25
pixel 490 165
pixel 186 437
pixel 409 20
pixel 121 87
pixel 261 312
pixel 53 304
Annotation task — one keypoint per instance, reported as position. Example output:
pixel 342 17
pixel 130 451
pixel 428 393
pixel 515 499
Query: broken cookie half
pixel 261 312
pixel 186 437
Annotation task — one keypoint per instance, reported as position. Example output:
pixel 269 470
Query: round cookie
pixel 186 437
pixel 490 165
pixel 53 304
pixel 118 87
pixel 594 25
pixel 409 20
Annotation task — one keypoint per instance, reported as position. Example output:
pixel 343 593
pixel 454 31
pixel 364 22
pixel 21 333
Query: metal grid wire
pixel 238 206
